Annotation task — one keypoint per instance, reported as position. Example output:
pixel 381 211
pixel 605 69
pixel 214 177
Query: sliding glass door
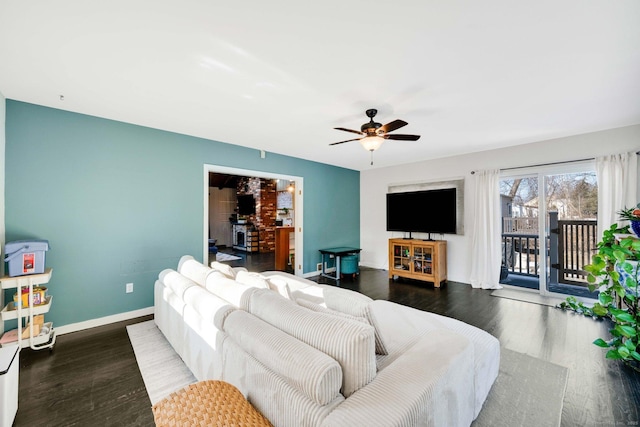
pixel 520 231
pixel 549 227
pixel 571 200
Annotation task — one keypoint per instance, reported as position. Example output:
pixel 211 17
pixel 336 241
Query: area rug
pixel 163 371
pixel 526 296
pixel 528 391
pixel 226 257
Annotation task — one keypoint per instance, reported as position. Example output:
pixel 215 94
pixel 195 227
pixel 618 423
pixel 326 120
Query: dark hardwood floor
pixel 91 377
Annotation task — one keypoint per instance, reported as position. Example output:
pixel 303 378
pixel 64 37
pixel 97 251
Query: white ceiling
pixel 279 75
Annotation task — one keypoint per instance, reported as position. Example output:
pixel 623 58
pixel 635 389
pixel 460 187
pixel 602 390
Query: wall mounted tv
pixel 428 211
pixel 246 204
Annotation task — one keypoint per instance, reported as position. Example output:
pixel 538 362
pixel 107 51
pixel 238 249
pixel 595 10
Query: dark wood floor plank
pixel 90 378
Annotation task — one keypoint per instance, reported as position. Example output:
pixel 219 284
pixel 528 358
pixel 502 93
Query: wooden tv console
pixel 418 259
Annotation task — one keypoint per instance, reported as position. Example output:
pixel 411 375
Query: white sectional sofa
pixel 317 355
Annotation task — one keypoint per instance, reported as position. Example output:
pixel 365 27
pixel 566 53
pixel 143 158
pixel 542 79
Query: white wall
pixel 222 202
pixel 374 184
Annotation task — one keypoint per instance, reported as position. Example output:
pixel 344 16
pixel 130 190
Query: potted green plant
pixel 633 216
pixel 614 273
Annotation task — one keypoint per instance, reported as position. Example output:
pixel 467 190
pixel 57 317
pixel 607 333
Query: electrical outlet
pixel 129 287
pixel 319 266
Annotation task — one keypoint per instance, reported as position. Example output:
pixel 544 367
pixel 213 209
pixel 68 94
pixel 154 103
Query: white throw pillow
pixel 280 286
pixel 354 304
pixel 252 279
pixel 224 269
pixel 322 309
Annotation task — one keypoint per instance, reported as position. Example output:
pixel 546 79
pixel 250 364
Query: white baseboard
pixel 87 324
pixel 317 273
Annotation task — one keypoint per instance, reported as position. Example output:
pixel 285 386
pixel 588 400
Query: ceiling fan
pixel 375 133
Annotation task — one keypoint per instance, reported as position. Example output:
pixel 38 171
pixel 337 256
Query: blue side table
pixel 338 253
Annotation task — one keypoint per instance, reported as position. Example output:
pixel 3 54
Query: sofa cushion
pixel 193 269
pixel 322 309
pixel 225 269
pixel 176 282
pixel 349 342
pixel 183 259
pixel 296 286
pixel 255 280
pixel 229 290
pixel 280 286
pixel 310 293
pixel 210 307
pixel 354 304
pixel 295 282
pixel 430 384
pixel 346 301
pixel 304 367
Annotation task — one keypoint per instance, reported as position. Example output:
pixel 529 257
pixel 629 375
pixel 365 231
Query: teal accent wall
pixel 120 202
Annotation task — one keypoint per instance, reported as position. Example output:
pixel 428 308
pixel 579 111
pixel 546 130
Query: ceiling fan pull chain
pixel 371 157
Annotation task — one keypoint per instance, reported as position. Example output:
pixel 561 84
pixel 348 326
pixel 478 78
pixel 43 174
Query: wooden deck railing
pixel 569 251
pixel 576 244
pixel 520 225
pixel 520 253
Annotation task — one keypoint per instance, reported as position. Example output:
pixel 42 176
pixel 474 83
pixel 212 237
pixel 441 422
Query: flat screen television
pixel 427 211
pixel 246 204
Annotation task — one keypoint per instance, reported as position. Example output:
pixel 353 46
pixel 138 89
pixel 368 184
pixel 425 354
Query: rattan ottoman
pixel 207 403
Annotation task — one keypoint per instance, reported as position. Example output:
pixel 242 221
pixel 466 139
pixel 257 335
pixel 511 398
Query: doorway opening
pixel 243 213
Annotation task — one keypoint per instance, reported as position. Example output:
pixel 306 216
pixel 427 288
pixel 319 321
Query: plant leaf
pixel 599 310
pixel 624 317
pixel 635 355
pixel 613 354
pixel 619 255
pixel 624 352
pixel 601 343
pixel 605 299
pixel 627 331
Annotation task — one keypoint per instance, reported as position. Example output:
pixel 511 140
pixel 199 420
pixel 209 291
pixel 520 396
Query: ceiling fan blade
pixel 390 127
pixel 350 130
pixel 342 142
pixel 402 137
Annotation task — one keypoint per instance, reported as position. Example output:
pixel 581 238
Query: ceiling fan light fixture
pixel 371 143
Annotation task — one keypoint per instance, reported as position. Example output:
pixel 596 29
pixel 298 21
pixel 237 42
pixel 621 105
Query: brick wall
pixel 264 220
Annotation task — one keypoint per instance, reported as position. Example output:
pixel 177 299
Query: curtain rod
pixel 547 164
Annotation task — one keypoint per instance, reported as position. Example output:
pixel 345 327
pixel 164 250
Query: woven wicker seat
pixel 207 403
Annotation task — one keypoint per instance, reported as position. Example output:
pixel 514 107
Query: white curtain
pixel 485 234
pixel 617 183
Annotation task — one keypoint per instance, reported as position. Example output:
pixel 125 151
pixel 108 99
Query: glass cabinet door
pixel 401 257
pixel 422 260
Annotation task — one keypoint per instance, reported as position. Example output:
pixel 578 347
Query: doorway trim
pixel 298 203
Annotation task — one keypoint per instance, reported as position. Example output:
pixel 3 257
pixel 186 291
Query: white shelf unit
pixel 10 311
